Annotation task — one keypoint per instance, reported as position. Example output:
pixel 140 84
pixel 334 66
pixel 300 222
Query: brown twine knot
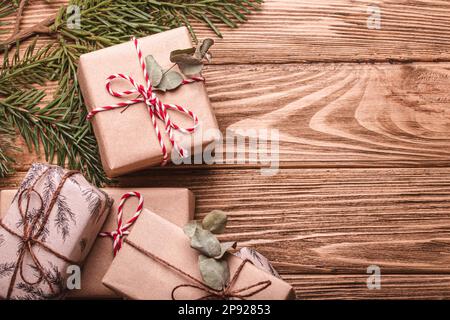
pixel 226 293
pixel 32 231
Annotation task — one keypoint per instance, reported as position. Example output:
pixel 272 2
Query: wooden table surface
pixel 364 121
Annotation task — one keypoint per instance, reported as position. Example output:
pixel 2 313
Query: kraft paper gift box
pixel 150 279
pixel 51 224
pixel 127 139
pixel 177 205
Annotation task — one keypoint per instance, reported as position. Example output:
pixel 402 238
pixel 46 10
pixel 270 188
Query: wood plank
pixel 336 115
pixel 327 30
pixel 412 286
pixel 340 114
pixel 329 221
pixel 287 31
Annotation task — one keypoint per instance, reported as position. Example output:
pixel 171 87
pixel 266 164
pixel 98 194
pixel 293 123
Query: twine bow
pixel 122 229
pixel 226 293
pixel 33 228
pixel 156 108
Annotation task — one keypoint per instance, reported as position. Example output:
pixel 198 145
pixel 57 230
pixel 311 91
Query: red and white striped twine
pixel 156 109
pixel 122 229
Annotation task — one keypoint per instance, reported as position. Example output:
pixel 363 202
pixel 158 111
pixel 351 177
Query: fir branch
pixel 49 188
pixel 55 277
pixel 93 200
pixel 7 7
pixel 35 214
pixel 48 128
pixel 33 67
pixel 121 14
pixel 32 292
pixel 6 269
pixel 32 174
pixel 52 274
pixel 63 217
pixel 7 136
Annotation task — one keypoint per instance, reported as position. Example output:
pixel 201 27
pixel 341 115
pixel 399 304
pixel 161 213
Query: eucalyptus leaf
pixel 205 242
pixel 215 273
pixel 185 56
pixel 154 70
pixel 208 57
pixel 225 247
pixel 203 48
pixel 190 227
pixel 215 221
pixel 170 80
pixel 189 51
pixel 190 69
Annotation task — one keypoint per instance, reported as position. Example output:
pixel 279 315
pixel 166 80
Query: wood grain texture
pixel 364 147
pixel 335 221
pixel 341 114
pixel 329 221
pixel 327 30
pixel 337 30
pixel 349 287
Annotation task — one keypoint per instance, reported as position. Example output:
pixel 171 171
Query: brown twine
pixel 225 293
pixel 30 236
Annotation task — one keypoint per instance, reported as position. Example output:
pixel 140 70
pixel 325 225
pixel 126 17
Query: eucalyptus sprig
pixel 59 127
pixel 212 261
pixel 189 61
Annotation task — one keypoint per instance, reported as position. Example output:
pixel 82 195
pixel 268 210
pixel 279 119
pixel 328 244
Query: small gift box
pixel 177 205
pixel 166 267
pixel 53 220
pixel 141 126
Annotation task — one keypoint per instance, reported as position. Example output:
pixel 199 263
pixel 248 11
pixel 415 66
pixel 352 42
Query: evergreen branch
pixel 47 128
pixel 7 7
pixel 166 14
pixel 6 145
pixel 21 72
pixel 7 136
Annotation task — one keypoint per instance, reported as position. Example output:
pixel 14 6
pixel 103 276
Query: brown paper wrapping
pixel 150 280
pixel 127 141
pixel 71 229
pixel 177 205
